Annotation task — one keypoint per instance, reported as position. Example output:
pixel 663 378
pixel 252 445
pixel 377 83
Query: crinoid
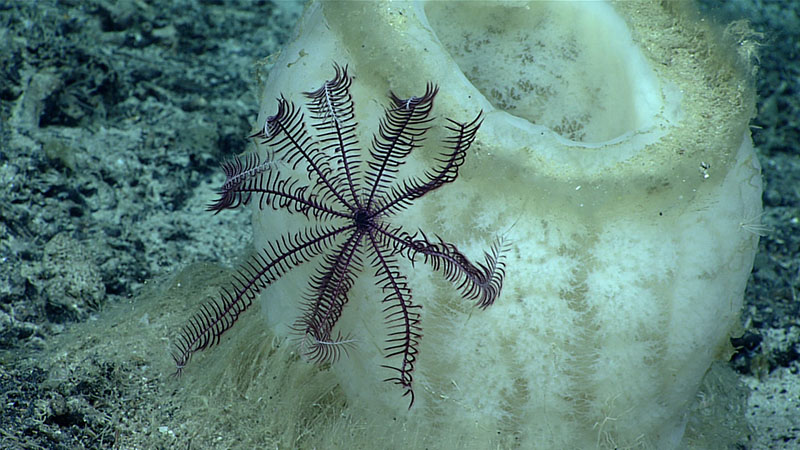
pixel 351 201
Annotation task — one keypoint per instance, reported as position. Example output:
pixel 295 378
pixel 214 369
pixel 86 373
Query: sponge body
pixel 615 160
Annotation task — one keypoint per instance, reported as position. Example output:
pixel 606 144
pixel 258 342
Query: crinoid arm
pixel 449 161
pixel 327 297
pixel 401 130
pixel 241 176
pixel 325 351
pixel 249 178
pixel 481 282
pixel 333 116
pixel 401 315
pixel 205 328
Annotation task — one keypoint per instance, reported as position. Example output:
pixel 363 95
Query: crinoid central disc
pixel 363 219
